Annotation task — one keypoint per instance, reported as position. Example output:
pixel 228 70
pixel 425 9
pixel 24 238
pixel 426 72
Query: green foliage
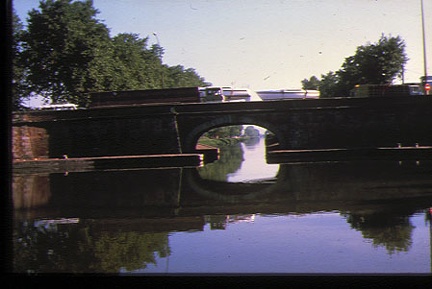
pixel 225 132
pixel 387 230
pixel 60 44
pixel 79 248
pixel 219 142
pixel 376 63
pixel 131 250
pixel 230 160
pixel 178 76
pixel 19 82
pixel 133 63
pixel 66 52
pixel 312 83
pixel 328 86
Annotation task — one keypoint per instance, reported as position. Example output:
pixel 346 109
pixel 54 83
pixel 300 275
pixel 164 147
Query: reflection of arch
pixel 192 137
pixel 229 192
pixel 325 182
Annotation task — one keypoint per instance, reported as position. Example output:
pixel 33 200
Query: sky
pixel 266 44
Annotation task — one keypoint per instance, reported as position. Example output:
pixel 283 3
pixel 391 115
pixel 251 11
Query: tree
pixel 313 83
pixel 66 53
pixel 133 63
pixel 377 63
pixel 178 76
pixel 127 64
pixel 328 85
pixel 61 44
pixel 19 83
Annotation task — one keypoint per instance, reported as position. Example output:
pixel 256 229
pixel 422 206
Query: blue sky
pixel 266 43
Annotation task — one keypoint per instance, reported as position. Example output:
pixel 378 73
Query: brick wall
pixel 29 142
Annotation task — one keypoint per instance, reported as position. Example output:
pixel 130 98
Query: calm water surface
pixel 321 242
pixel 237 215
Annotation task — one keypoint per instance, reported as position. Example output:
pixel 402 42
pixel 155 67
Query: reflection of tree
pixel 230 160
pixel 73 248
pixel 251 142
pixel 393 232
pixel 251 131
pixel 225 131
pixel 131 250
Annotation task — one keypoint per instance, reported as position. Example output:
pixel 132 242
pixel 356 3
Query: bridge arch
pixel 190 139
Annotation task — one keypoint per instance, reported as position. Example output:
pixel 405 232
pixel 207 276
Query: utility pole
pixel 424 42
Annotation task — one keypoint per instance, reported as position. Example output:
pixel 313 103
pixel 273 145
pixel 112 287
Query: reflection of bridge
pixel 175 128
pixel 369 194
pixel 310 184
pixel 125 212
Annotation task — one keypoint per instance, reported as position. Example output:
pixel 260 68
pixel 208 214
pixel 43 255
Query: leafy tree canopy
pixel 376 63
pixel 311 83
pixel 66 52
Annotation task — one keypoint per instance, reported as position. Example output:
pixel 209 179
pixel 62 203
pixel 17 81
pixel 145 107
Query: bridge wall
pixel 94 132
pixel 321 124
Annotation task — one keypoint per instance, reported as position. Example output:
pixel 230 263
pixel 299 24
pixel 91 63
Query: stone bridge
pixel 176 128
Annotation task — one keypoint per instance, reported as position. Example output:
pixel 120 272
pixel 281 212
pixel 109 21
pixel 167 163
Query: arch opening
pixel 241 154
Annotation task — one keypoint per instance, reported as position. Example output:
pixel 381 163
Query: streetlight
pixel 159 48
pixel 159 54
pixel 157 38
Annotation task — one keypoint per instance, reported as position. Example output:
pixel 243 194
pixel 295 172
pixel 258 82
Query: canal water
pixel 236 215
